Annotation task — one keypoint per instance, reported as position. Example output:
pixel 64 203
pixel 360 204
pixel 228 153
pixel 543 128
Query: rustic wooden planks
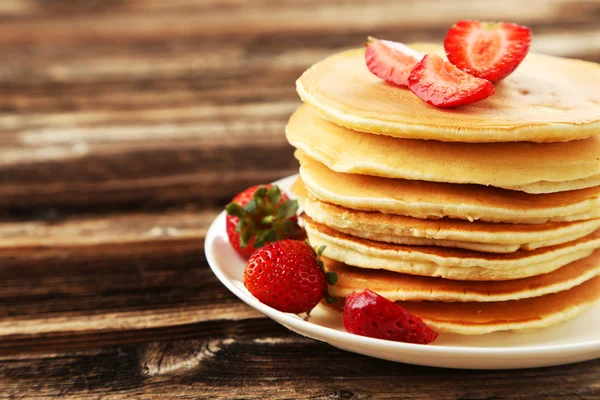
pixel 154 162
pixel 258 359
pixel 120 272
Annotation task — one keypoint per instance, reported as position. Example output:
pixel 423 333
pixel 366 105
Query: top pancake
pixel 546 99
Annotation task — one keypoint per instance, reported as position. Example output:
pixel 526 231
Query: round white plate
pixel 574 341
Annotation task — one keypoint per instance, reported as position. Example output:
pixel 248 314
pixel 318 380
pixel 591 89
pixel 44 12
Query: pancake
pixel 430 200
pixel 532 168
pixel 546 99
pixel 475 318
pixel 445 262
pixel 403 287
pixel 528 167
pixel 445 232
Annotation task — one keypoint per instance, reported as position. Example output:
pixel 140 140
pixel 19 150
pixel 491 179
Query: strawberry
pixel 391 61
pixel 369 314
pixel 487 50
pixel 288 276
pixel 259 215
pixel 441 84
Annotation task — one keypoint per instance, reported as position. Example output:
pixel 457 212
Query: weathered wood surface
pixel 125 125
pixel 229 360
pixel 115 273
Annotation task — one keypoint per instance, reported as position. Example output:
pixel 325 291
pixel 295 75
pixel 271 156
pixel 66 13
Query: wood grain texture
pixel 119 272
pixel 125 126
pixel 258 359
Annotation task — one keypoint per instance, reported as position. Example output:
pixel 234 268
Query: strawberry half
pixel 288 276
pixel 441 84
pixel 259 215
pixel 488 50
pixel 369 314
pixel 391 61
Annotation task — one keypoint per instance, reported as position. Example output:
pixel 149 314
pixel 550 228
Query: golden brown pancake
pixel 445 232
pixel 546 99
pixel 529 167
pixel 403 287
pixel 446 262
pixel 476 318
pixel 432 200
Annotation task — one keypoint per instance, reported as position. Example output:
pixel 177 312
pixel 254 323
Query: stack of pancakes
pixel 476 219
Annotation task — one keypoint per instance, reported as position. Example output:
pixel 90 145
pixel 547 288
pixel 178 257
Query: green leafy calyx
pixel 265 218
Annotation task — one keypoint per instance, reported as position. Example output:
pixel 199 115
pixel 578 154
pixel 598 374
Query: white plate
pixel 574 341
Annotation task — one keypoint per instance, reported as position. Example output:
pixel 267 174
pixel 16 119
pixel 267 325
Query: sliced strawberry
pixel 441 84
pixel 369 314
pixel 391 61
pixel 488 50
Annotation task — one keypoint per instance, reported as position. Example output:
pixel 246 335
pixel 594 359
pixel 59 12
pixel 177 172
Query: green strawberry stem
pixel 265 219
pixel 330 276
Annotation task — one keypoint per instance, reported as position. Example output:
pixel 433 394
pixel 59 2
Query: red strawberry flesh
pixel 369 314
pixel 441 84
pixel 286 275
pixel 390 61
pixel 488 50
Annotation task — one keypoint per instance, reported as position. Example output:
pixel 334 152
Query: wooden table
pixel 125 126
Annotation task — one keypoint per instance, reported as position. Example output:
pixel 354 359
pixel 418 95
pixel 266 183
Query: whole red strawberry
pixel 369 314
pixel 488 50
pixel 286 275
pixel 259 215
